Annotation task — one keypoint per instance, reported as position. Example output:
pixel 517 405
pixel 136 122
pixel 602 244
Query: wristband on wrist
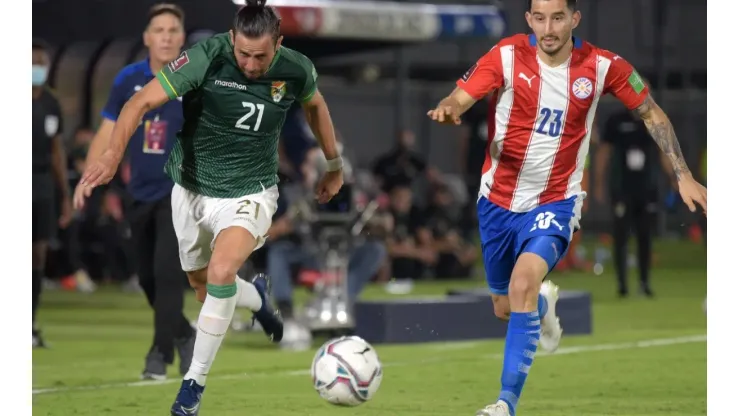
pixel 334 165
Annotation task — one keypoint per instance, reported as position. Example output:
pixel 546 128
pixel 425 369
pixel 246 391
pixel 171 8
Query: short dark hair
pixel 572 5
pixel 165 8
pixel 39 45
pixel 255 20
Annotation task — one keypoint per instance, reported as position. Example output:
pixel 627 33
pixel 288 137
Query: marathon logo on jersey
pixel 470 72
pixel 180 62
pixel 230 84
pixel 635 81
pixel 278 90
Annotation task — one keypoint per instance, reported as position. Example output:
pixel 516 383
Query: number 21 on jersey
pixel 244 122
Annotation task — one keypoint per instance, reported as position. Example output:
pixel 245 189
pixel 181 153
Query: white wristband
pixel 334 165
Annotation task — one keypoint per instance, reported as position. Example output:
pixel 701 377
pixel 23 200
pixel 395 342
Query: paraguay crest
pixel 278 90
pixel 582 88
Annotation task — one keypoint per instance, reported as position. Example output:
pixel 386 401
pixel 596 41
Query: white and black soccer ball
pixel 346 371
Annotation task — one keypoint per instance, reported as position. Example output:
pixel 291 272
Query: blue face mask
pixel 38 77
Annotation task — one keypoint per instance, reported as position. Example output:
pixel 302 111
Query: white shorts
pixel 199 219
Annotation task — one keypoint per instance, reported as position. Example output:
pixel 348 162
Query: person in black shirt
pixel 49 166
pixel 630 156
pixel 410 245
pixel 402 165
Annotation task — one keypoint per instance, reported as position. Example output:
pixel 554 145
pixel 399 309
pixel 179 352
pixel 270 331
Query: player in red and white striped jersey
pixel 546 88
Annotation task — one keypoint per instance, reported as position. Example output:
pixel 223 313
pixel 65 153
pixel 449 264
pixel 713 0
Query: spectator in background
pixel 472 149
pixel 632 156
pixel 159 270
pixel 410 246
pixel 449 229
pixel 49 166
pixel 402 165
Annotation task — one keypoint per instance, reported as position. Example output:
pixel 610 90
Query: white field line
pixel 578 349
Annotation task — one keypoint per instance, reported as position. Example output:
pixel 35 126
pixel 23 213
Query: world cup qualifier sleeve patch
pixel 636 82
pixel 470 72
pixel 180 62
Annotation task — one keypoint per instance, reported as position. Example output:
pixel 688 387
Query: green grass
pixel 99 341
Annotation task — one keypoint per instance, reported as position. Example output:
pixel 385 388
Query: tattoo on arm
pixel 661 130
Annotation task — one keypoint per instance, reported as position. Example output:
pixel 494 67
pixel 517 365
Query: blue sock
pixel 542 306
pixel 521 343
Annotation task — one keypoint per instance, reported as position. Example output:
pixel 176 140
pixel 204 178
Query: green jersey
pixel 228 143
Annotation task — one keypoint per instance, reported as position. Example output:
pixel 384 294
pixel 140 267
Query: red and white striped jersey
pixel 540 118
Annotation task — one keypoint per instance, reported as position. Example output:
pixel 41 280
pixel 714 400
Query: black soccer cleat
pixel 268 317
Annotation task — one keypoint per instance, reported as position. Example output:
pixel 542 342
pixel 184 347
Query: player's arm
pixel 184 74
pixel 319 119
pixel 110 113
pixel 627 85
pixel 482 78
pixel 662 131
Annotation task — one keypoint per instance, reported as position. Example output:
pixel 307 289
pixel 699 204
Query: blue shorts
pixel 505 235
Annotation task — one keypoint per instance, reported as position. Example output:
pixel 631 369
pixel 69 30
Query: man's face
pixel 401 199
pixel 254 55
pixel 164 37
pixel 40 65
pixel 552 23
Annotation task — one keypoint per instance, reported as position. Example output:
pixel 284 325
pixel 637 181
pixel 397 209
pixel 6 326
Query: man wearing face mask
pixel 150 215
pixel 49 166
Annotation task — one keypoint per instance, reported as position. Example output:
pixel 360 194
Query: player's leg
pixel 621 224
pixel 239 227
pixel 542 240
pixel 41 228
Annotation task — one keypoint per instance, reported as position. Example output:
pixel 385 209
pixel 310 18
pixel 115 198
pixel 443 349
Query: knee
pixel 526 278
pixel 221 274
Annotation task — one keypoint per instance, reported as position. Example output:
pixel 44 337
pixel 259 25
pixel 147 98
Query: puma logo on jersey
pixel 529 80
pixel 230 84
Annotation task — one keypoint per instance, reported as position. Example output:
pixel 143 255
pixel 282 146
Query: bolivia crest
pixel 278 90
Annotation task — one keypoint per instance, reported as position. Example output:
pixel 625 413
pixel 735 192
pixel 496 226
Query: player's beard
pixel 553 47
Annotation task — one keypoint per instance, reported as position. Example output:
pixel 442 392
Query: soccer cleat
pixel 188 399
pixel 154 366
pixel 267 317
pixel 184 347
pixel 550 324
pixel 500 408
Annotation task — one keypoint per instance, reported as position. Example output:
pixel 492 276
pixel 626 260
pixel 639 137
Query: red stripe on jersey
pixel 581 78
pixel 520 128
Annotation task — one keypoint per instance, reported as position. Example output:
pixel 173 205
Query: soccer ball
pixel 346 371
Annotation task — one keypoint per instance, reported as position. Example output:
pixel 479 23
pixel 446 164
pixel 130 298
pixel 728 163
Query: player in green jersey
pixel 236 88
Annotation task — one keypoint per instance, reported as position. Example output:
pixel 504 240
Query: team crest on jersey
pixel 278 90
pixel 51 125
pixel 180 62
pixel 582 88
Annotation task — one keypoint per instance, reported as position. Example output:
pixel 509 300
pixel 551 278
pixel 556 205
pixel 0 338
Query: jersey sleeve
pixel 116 98
pixel 310 85
pixel 625 83
pixel 187 72
pixel 57 109
pixel 484 76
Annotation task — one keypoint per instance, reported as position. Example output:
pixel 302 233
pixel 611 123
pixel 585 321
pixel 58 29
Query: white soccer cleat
pixel 550 324
pixel 498 409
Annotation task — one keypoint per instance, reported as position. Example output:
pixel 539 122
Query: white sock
pixel 213 322
pixel 247 295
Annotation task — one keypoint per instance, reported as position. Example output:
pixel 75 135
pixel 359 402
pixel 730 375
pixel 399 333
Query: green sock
pixel 221 291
